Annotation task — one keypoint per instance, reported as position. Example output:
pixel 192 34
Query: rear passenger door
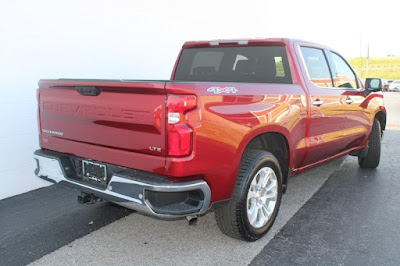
pixel 328 108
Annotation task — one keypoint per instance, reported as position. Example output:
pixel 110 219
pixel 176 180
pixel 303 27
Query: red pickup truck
pixel 237 118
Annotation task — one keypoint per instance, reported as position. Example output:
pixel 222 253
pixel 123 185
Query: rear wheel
pixel 374 148
pixel 255 199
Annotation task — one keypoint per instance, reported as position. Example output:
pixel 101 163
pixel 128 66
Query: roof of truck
pixel 246 42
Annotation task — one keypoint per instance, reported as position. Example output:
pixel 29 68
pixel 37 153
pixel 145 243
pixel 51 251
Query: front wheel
pixel 374 148
pixel 255 199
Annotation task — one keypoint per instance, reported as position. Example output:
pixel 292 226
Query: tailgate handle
pixel 88 91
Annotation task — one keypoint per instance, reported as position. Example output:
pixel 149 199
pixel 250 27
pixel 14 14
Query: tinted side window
pixel 259 64
pixel 343 76
pixel 317 66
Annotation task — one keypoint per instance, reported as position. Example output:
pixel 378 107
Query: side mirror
pixel 373 84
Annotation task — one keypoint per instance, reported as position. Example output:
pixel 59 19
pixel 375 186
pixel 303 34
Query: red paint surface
pixel 126 124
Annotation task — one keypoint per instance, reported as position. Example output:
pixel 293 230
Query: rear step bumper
pixel 140 191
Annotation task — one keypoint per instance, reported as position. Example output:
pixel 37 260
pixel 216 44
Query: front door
pixel 357 117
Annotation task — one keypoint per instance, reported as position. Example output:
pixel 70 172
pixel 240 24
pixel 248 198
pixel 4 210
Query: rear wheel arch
pixel 277 144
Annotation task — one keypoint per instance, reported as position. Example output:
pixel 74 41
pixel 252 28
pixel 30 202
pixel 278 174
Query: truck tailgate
pixel 126 116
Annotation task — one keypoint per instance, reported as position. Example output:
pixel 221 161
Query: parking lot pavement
pixel 137 239
pixel 352 220
pixel 38 222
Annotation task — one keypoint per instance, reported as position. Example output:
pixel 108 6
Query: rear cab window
pixel 258 64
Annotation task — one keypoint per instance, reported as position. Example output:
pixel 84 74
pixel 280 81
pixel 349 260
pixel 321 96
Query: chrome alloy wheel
pixel 262 197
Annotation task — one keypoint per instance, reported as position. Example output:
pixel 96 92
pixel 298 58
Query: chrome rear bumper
pixel 159 198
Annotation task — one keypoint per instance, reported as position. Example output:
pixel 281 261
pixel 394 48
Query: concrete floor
pixel 352 220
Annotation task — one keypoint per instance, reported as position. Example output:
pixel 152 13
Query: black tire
pixel 374 151
pixel 232 218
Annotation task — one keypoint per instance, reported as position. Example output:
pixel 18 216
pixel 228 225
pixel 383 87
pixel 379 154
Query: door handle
pixel 318 102
pixel 349 100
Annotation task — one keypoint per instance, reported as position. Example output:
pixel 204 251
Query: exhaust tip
pixel 192 220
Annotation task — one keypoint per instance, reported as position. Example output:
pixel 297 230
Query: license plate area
pixel 95 172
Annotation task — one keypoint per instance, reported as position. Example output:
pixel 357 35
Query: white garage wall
pixel 47 39
pixel 127 39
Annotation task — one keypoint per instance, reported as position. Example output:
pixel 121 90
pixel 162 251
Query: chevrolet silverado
pixel 224 134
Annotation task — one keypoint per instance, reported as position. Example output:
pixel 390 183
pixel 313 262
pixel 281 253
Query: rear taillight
pixel 180 134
